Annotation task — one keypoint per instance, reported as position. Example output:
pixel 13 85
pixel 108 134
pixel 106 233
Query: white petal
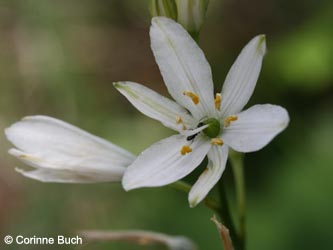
pixel 255 127
pixel 183 65
pixel 217 159
pixel 70 176
pixel 48 143
pixel 155 106
pixel 162 163
pixel 242 77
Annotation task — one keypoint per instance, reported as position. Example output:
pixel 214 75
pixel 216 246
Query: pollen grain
pixel 230 119
pixel 216 141
pixel 217 101
pixel 179 120
pixel 193 96
pixel 185 149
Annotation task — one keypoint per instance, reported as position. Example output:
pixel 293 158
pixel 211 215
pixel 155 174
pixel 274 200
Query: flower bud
pixel 189 13
pixel 165 8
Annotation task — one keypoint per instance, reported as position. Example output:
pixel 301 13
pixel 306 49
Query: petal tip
pixel 117 84
pixel 286 120
pixel 20 170
pixel 262 38
pixel 7 132
pixel 122 85
pixel 15 152
pixel 27 174
pixel 283 113
pixel 194 198
pixel 261 44
pixel 126 184
pixel 193 202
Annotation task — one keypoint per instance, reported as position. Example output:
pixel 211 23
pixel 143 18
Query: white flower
pixel 61 152
pixel 206 126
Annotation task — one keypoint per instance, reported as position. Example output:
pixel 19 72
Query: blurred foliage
pixel 59 58
pixel 309 54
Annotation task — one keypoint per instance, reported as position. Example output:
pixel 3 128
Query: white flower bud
pixel 189 13
pixel 165 8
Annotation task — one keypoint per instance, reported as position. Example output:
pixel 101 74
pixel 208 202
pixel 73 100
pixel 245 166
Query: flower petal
pixel 69 176
pixel 255 127
pixel 156 106
pixel 183 66
pixel 217 159
pixel 48 143
pixel 162 163
pixel 242 77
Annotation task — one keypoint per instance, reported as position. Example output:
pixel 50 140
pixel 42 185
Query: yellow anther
pixel 185 149
pixel 216 141
pixel 230 119
pixel 179 120
pixel 217 101
pixel 193 96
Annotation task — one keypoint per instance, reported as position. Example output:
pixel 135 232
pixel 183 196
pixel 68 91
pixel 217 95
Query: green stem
pixel 208 201
pixel 236 160
pixel 181 186
pixel 225 215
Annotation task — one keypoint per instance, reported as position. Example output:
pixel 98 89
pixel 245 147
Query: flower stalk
pixel 209 202
pixel 225 214
pixel 236 160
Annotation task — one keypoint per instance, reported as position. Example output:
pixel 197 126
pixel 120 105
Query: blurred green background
pixel 59 58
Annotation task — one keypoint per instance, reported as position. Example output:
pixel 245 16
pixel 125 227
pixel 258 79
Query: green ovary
pixel 213 128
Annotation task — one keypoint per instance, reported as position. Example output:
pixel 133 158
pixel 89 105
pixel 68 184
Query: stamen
pixel 193 96
pixel 179 120
pixel 230 119
pixel 185 149
pixel 216 141
pixel 217 101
